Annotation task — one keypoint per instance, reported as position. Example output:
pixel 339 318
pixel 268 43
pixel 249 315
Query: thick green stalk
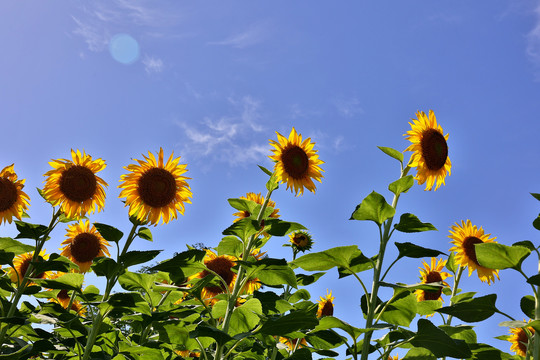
pixel 454 290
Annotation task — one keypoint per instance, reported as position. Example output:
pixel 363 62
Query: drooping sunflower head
pixel 13 201
pixel 326 305
pixel 520 340
pixel 301 240
pixel 431 273
pixel 21 264
pixel 221 265
pixel 297 164
pixel 74 185
pixel 259 199
pixel 84 244
pixel 155 189
pixel 464 237
pixel 430 150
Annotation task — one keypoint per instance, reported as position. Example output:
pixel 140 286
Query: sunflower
pixel 430 155
pixel 253 284
pixel 75 186
pixel 84 244
pixel 259 200
pixel 465 236
pixel 520 340
pixel 221 265
pixel 13 201
pixel 188 354
pixel 432 274
pixel 326 305
pixel 291 343
pixel 156 189
pixel 20 266
pixel 296 162
pixel 393 357
pixel 301 240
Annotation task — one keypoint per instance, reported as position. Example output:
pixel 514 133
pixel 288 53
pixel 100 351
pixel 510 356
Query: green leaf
pixel 375 208
pixel 411 250
pixel 272 183
pixel 182 265
pixel 54 263
pixel 402 185
pixel 487 352
pixel 450 263
pixel 105 266
pixel 402 309
pixel 301 294
pixel 534 280
pixel 108 232
pixel 145 233
pixel 499 256
pixel 203 330
pixel 30 231
pixel 409 223
pixel 300 354
pixel 428 307
pixel 135 281
pixel 245 317
pixel 525 243
pixel 305 280
pixel 419 354
pixel 462 297
pixel 472 310
pixel 324 339
pixel 278 227
pixel 438 342
pixel 536 196
pixel 136 257
pixel 10 245
pixel 346 257
pixel 392 153
pixel 265 170
pixel 230 245
pixel 142 351
pixel 288 323
pixel 69 281
pixel 460 332
pixel 527 305
pixel 536 223
pixel 331 322
pixel 133 301
pixel 243 228
pixel 269 271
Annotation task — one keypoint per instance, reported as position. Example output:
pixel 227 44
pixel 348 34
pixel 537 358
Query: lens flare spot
pixel 124 49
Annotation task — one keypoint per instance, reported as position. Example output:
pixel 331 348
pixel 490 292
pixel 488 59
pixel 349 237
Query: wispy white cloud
pixel 253 35
pixel 95 36
pixel 152 65
pixel 231 139
pixel 349 107
pixel 533 40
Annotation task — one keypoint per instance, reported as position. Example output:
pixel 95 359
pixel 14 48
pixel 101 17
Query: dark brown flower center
pixel 434 149
pixel 300 240
pixel 78 183
pixel 24 267
pixel 221 266
pixel 328 308
pixel 63 294
pixel 8 194
pixel 523 340
pixel 433 276
pixel 468 247
pixel 295 161
pixel 85 247
pixel 157 187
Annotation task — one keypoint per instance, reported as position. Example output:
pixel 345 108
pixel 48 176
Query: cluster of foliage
pixel 236 301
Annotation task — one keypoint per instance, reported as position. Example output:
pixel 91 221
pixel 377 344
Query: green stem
pixel 454 290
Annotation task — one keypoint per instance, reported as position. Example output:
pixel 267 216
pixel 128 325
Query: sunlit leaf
pixel 109 233
pixel 472 310
pixel 69 281
pixel 203 330
pixel 499 256
pixel 398 155
pixel 145 233
pixel 293 321
pixel 273 272
pixel 230 245
pixel 245 317
pixel 409 223
pixel 375 208
pixel 277 227
pixel 438 342
pixel 402 185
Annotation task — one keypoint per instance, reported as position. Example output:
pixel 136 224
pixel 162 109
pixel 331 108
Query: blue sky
pixel 213 81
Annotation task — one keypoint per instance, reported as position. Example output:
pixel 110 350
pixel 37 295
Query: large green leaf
pixel 203 330
pixel 109 233
pixel 472 310
pixel 245 317
pixel 269 271
pixel 243 228
pixel 393 153
pixel 324 339
pixel 402 309
pixel 460 332
pixel 54 263
pixel 401 185
pixel 305 280
pixel 419 353
pixel 278 227
pixel 409 223
pixel 438 342
pixel 331 322
pixel 375 208
pixel 411 250
pixel 30 231
pixel 293 321
pixel 345 257
pixel 136 257
pixel 104 266
pixel 251 207
pixel 10 245
pixel 69 281
pixel 499 256
pixel 527 305
pixel 230 245
pixel 135 281
pixel 183 264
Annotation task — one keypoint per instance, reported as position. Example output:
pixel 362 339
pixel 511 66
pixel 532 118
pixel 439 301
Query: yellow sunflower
pixel 63 298
pixel 156 189
pixel 188 354
pixel 83 245
pixel 74 185
pixel 221 265
pixel 393 357
pixel 301 240
pixel 291 343
pixel 296 162
pixel 430 274
pixel 259 200
pixel 253 284
pixel 13 201
pixel 465 236
pixel 20 266
pixel 520 340
pixel 326 305
pixel 430 155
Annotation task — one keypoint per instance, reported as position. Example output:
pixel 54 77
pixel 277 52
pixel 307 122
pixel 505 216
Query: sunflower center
pixel 300 240
pixel 434 149
pixel 468 246
pixel 433 276
pixel 221 266
pixel 63 294
pixel 78 183
pixel 85 247
pixel 522 340
pixel 8 194
pixel 295 161
pixel 24 267
pixel 157 187
pixel 328 309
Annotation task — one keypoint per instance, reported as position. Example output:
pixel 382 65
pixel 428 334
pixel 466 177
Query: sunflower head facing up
pixel 74 185
pixel 431 273
pixel 155 189
pixel 301 241
pixel 21 264
pixel 259 199
pixel 464 237
pixel 430 150
pixel 296 162
pixel 221 265
pixel 83 245
pixel 520 340
pixel 13 201
pixel 326 305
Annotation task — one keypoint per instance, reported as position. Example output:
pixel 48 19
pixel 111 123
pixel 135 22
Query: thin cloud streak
pixel 152 65
pixel 252 36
